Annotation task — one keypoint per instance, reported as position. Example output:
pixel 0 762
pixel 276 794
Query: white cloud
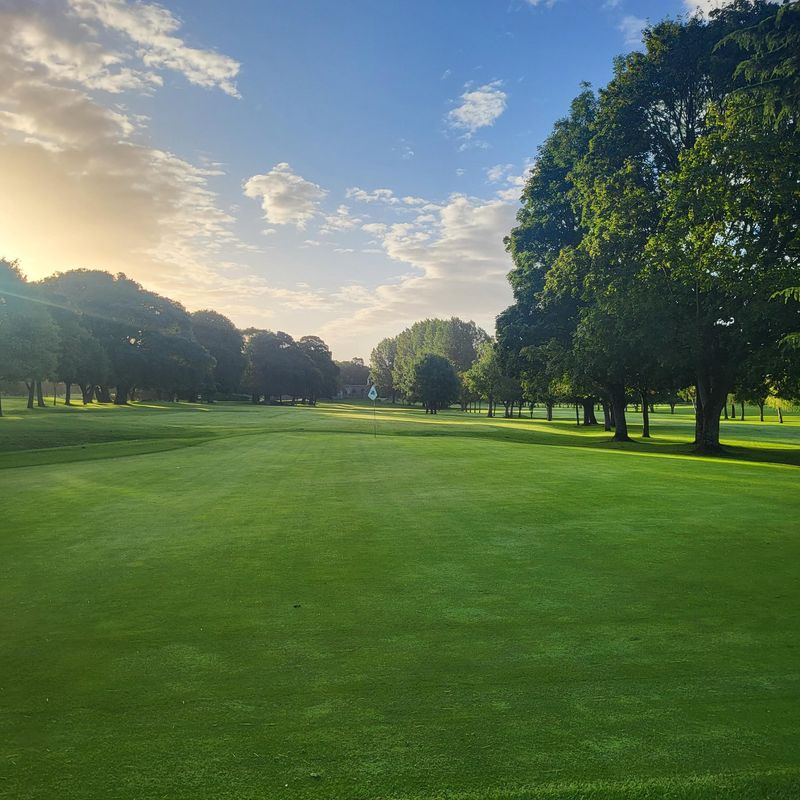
pixel 376 196
pixel 460 172
pixel 153 29
pixel 458 267
pixel 705 7
pixel 479 108
pixel 405 149
pixel 57 47
pixel 340 220
pixel 632 28
pixel 499 172
pixel 285 197
pixel 545 3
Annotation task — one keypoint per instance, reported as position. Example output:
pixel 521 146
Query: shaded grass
pixel 295 608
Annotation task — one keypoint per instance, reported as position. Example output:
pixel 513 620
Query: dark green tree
pixel 436 383
pixel 220 337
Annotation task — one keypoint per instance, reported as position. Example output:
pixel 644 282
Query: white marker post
pixel 373 395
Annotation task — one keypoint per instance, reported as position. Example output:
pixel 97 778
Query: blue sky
pixel 336 168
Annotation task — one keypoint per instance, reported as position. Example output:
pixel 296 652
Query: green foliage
pixel 353 372
pixel 436 383
pixel 220 337
pixel 657 225
pixel 381 366
pixel 453 339
pixel 29 337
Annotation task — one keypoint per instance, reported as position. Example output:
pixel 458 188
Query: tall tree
pixel 220 337
pixel 436 383
pixel 381 367
pixel 323 377
pixel 28 334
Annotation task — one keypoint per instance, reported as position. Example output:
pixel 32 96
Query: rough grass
pixel 235 602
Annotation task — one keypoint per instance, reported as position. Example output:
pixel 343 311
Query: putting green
pixel 235 602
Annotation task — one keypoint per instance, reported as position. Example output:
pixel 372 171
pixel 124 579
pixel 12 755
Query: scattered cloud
pixel 632 28
pixel 457 263
pixel 705 7
pixel 498 172
pixel 286 198
pixel 375 196
pixel 153 29
pixel 405 150
pixel 460 172
pixel 340 220
pixel 479 108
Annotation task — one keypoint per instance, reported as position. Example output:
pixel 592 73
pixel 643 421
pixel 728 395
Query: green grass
pixel 236 602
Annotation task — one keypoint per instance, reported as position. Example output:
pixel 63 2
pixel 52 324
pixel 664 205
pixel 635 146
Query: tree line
pixel 109 337
pixel 427 362
pixel 658 235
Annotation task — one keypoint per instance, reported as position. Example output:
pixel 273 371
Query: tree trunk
pixel 549 410
pixel 645 417
pixel 780 415
pixel 577 415
pixel 588 411
pixel 761 411
pixel 710 401
pixel 39 395
pixel 725 409
pixel 103 394
pixel 1 404
pixel 672 408
pixel 733 410
pixel 742 410
pixel 31 388
pixel 606 416
pixel 490 412
pixel 618 403
pixel 67 393
pixel 121 396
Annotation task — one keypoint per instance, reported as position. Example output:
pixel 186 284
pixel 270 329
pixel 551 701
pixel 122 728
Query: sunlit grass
pixel 254 602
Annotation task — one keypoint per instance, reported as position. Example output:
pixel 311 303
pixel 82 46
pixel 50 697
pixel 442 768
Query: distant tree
pixel 28 334
pixel 323 377
pixel 454 339
pixel 435 383
pixel 381 367
pixel 353 372
pixel 131 324
pixel 485 377
pixel 220 337
pixel 79 359
pixel 270 364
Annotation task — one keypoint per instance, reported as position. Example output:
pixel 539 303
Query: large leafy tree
pixel 436 383
pixel 28 334
pixel 322 376
pixel 139 331
pixel 220 337
pixel 454 339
